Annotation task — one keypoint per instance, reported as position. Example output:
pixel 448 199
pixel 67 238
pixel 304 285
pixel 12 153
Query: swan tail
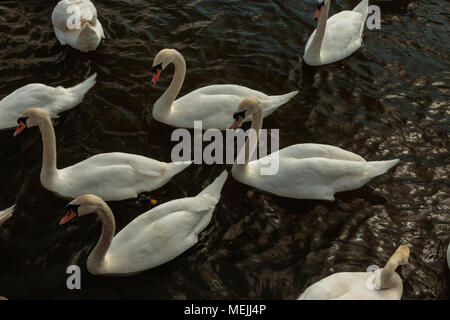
pixel 6 214
pixel 215 188
pixel 277 101
pixel 80 90
pixel 380 167
pixel 176 167
pixel 363 9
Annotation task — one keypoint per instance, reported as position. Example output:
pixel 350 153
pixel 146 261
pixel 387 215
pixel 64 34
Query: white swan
pixel 75 23
pixel 112 176
pixel 338 37
pixel 36 95
pixel 305 171
pixel 448 256
pixel 153 238
pixel 384 285
pixel 212 104
pixel 5 215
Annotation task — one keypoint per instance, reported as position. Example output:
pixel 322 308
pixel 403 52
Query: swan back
pixel 87 35
pixel 350 286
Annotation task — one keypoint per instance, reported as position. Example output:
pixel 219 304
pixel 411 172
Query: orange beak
pixel 19 129
pixel 156 76
pixel 317 14
pixel 69 216
pixel 236 123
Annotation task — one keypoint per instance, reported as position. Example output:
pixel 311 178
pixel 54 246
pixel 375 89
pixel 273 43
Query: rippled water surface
pixel 389 100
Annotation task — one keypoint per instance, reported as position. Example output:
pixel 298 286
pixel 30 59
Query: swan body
pixel 379 285
pixel 112 176
pixel 212 104
pixel 84 37
pixel 6 214
pixel 36 95
pixel 338 37
pixel 153 238
pixel 305 171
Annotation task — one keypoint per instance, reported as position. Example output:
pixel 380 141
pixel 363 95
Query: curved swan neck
pixel 387 273
pixel 316 43
pixel 97 256
pixel 173 90
pixel 49 169
pixel 257 121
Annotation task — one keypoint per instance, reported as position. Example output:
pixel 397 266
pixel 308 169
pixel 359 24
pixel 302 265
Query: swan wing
pixel 339 286
pixel 342 36
pixel 311 150
pixel 62 13
pixel 34 95
pixel 158 235
pixel 214 105
pixel 304 178
pixel 112 176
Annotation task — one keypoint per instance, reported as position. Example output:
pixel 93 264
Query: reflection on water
pixel 389 100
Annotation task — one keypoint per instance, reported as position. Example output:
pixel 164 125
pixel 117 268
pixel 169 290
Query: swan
pixel 362 285
pixel 153 238
pixel 211 104
pixel 5 215
pixel 338 37
pixel 305 171
pixel 112 176
pixel 75 23
pixel 37 95
pixel 448 256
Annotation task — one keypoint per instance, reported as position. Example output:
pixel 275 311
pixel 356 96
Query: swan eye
pixel 241 114
pixel 22 120
pixel 157 67
pixel 320 4
pixel 72 207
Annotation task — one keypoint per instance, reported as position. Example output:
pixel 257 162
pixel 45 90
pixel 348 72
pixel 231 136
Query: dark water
pixel 389 100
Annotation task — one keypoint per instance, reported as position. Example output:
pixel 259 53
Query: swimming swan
pixel 338 37
pixel 112 176
pixel 211 105
pixel 305 171
pixel 75 23
pixel 384 285
pixel 36 95
pixel 153 238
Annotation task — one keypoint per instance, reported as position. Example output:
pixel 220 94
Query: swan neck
pixel 97 256
pixel 257 121
pixel 316 44
pixel 49 170
pixel 387 273
pixel 173 90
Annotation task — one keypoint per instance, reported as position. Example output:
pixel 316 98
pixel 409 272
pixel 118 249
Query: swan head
pixel 30 118
pixel 246 108
pixel 161 61
pixel 402 255
pixel 81 206
pixel 319 6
